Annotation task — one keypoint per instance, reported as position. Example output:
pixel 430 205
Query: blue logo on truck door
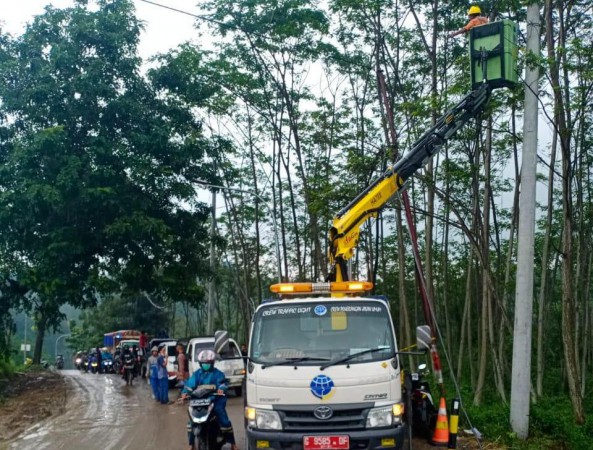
pixel 322 387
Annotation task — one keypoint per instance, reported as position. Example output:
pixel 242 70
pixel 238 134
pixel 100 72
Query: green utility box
pixel 493 54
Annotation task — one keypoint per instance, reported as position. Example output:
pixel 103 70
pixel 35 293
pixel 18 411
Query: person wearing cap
pixel 152 369
pixel 475 19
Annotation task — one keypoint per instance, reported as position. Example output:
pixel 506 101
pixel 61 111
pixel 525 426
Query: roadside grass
pixel 551 425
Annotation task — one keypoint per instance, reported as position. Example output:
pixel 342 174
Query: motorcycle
pixel 204 425
pixel 93 365
pixel 424 413
pixel 129 367
pixel 59 362
pixel 108 366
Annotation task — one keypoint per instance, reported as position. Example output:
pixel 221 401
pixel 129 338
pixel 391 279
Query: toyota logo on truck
pixel 323 412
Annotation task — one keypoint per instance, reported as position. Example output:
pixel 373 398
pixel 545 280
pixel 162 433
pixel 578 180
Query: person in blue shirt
pixel 208 374
pixel 163 376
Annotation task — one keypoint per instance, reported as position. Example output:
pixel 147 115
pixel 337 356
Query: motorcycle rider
pixel 99 360
pixel 125 354
pixel 208 374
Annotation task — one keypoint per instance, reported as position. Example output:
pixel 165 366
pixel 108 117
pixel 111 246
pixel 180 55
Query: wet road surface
pixel 104 414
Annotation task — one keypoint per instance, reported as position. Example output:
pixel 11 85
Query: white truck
pixel 323 371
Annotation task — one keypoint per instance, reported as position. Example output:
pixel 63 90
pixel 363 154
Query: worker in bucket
pixel 475 19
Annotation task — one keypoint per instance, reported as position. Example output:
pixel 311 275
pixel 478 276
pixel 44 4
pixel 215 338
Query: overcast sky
pixel 164 29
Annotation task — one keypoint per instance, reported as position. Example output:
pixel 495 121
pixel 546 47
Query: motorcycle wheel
pixel 200 444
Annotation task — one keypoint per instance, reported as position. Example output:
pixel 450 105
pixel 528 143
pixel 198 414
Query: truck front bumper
pixel 359 440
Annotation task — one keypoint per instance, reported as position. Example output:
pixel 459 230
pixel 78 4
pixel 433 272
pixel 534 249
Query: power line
pixel 205 18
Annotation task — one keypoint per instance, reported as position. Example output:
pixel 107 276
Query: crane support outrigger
pixel 345 230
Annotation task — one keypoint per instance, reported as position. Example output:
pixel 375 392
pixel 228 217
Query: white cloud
pixel 164 29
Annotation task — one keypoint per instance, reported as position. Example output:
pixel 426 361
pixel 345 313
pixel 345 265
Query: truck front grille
pixel 349 417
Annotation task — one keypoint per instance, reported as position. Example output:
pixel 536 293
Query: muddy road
pixel 103 413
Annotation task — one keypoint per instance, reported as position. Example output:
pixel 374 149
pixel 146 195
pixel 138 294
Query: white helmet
pixel 206 356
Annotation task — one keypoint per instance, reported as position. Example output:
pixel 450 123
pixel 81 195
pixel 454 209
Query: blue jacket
pixel 201 376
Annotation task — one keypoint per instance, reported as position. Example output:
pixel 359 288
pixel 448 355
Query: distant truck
pixel 114 339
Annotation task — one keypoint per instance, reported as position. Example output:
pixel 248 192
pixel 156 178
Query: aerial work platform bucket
pixel 493 54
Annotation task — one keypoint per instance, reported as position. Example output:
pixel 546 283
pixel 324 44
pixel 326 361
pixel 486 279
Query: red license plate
pixel 326 442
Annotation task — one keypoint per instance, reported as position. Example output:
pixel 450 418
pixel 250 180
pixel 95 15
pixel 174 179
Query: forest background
pixel 103 228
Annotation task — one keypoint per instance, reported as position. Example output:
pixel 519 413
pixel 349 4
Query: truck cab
pixel 323 374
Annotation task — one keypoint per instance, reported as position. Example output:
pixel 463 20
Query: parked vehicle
pixel 424 413
pixel 204 425
pixel 59 362
pixel 229 362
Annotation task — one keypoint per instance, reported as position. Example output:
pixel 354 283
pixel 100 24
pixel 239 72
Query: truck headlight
pixel 385 416
pixel 263 419
pixel 239 372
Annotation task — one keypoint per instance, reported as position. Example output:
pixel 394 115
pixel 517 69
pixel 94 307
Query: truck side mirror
pixel 423 337
pixel 221 341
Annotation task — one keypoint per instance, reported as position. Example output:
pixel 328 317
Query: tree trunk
pixel 543 288
pixel 568 300
pixel 40 323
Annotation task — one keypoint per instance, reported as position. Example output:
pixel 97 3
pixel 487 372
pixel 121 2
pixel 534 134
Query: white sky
pixel 164 29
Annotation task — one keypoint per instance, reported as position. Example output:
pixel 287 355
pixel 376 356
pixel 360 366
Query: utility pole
pixel 521 370
pixel 211 283
pixel 25 343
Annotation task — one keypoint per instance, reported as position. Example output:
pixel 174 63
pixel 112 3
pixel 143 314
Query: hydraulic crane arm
pixel 345 230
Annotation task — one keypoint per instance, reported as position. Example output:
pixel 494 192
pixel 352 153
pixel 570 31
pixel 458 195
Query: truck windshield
pixel 331 331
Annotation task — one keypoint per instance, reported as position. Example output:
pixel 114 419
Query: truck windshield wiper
pixel 352 356
pixel 289 361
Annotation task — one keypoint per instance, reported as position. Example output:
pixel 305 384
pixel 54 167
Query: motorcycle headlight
pixel 385 416
pixel 263 419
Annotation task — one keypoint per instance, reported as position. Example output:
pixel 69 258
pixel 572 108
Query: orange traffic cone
pixel 440 437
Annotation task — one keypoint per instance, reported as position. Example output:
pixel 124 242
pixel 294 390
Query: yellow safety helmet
pixel 474 10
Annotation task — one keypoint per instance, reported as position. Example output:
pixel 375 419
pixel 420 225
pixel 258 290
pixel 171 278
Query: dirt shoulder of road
pixel 28 398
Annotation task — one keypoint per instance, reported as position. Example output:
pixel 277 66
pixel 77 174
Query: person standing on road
pixel 182 365
pixel 153 373
pixel 475 19
pixel 163 376
pixel 143 342
pixel 244 353
pixel 207 374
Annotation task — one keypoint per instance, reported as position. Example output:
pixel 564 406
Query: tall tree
pixel 96 186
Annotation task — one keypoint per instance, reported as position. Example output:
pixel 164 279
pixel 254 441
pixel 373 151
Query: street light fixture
pixel 56 347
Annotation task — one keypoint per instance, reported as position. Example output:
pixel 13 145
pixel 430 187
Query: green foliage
pixel 7 368
pixel 98 166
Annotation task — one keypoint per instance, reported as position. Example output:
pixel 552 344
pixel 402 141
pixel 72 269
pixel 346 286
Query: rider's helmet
pixel 206 359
